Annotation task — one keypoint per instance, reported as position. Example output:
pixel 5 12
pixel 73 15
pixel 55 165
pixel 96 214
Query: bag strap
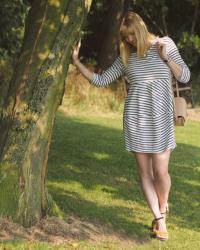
pixel 173 95
pixel 177 89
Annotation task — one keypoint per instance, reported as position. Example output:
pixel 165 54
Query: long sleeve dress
pixel 148 111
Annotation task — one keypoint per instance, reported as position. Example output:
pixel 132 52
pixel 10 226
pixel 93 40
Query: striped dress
pixel 148 111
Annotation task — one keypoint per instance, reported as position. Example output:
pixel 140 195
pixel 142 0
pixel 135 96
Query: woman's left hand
pixel 161 48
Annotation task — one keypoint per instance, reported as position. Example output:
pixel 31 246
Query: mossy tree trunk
pixel 29 108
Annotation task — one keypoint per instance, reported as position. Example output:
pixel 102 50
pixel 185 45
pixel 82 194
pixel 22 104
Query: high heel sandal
pixel 153 226
pixel 159 234
pixel 154 222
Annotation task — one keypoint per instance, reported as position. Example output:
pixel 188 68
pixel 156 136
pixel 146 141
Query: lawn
pixel 93 178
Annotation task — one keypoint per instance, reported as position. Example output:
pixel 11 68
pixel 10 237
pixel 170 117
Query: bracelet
pixel 166 60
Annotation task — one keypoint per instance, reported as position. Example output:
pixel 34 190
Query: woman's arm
pixel 116 70
pixel 173 59
pixel 175 68
pixel 85 71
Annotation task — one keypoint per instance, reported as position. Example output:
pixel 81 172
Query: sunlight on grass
pixel 98 180
pixel 99 156
pixel 90 175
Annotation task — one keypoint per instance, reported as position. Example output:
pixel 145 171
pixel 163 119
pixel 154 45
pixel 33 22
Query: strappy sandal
pixel 161 235
pixel 153 226
pixel 154 221
pixel 166 211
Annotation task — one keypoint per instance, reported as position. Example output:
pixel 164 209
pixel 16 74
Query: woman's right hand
pixel 86 72
pixel 75 53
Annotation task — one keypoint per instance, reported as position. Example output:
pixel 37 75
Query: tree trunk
pixel 195 17
pixel 164 11
pixel 109 49
pixel 30 105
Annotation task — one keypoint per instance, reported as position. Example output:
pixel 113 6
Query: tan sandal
pixel 153 226
pixel 161 235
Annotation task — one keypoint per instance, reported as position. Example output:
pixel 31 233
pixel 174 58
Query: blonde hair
pixel 132 23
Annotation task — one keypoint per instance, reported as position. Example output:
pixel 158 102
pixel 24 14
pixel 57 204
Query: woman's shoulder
pixel 167 39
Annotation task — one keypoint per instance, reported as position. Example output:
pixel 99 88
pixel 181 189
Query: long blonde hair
pixel 132 23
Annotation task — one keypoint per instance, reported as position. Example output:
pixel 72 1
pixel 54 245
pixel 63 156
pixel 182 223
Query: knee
pixel 161 174
pixel 145 174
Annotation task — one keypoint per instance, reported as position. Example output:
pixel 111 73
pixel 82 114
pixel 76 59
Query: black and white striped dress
pixel 148 111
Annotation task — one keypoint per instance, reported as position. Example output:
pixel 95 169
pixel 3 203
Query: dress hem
pixel 150 152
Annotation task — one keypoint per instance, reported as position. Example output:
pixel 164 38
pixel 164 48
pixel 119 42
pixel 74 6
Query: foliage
pixel 190 46
pixel 83 95
pixel 12 19
pixel 6 71
pixel 163 18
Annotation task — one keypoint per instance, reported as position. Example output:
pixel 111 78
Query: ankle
pixel 162 225
pixel 163 212
pixel 164 209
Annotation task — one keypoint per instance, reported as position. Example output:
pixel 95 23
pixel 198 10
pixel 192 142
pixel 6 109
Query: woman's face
pixel 131 39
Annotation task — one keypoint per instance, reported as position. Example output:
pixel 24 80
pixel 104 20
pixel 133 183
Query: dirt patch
pixel 57 231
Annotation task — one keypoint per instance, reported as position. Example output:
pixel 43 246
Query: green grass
pixel 91 176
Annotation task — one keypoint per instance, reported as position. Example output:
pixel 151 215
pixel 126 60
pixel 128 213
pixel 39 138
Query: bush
pixel 80 93
pixel 190 48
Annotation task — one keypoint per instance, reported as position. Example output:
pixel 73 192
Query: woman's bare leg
pixel 162 178
pixel 144 162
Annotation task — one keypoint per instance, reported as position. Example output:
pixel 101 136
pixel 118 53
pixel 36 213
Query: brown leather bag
pixel 180 108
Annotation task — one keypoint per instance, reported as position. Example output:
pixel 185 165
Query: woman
pixel 149 62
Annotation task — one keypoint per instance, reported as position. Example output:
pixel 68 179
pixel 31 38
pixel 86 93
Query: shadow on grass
pixel 93 155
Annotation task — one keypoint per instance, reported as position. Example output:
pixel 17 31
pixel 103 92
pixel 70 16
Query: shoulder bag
pixel 179 107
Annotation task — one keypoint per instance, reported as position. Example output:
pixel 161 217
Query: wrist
pixel 166 60
pixel 75 61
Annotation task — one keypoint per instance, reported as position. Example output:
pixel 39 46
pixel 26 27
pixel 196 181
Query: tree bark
pixel 195 16
pixel 29 108
pixel 164 11
pixel 109 49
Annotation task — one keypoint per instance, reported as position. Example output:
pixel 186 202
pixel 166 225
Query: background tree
pixel 12 19
pixel 38 81
pixel 29 106
pixel 109 48
pixel 177 19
